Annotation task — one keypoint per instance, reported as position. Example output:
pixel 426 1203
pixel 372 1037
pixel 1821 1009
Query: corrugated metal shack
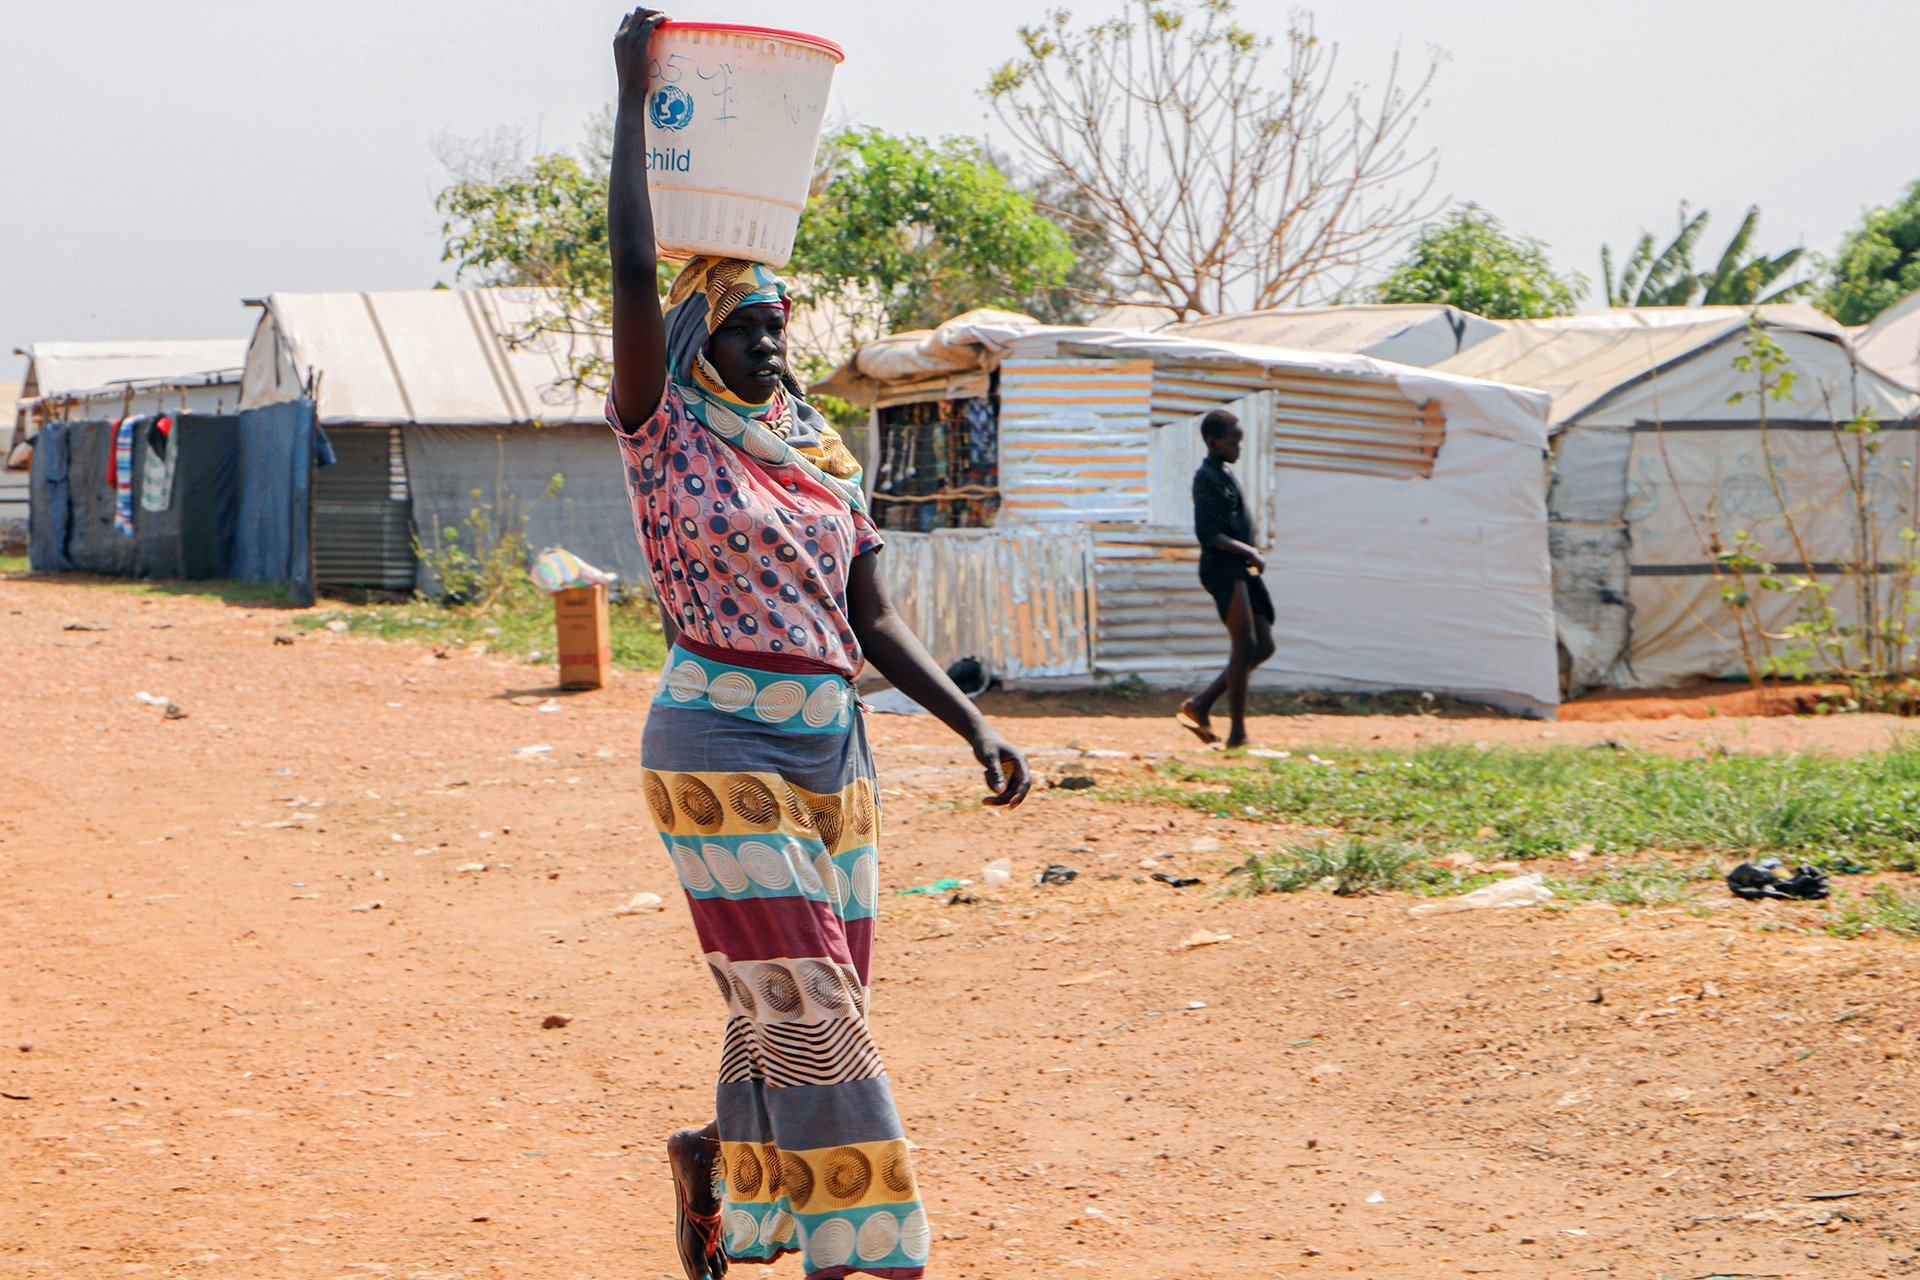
pixel 1405 509
pixel 438 402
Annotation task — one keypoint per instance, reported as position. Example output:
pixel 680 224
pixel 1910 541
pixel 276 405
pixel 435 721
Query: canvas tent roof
pixel 428 356
pixel 1582 360
pixel 67 368
pixel 980 340
pixel 1891 343
pixel 1404 333
pixel 1141 316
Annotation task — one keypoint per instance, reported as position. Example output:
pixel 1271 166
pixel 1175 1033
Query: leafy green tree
pixel 1468 259
pixel 1091 281
pixel 1666 277
pixel 904 233
pixel 1878 263
pixel 898 233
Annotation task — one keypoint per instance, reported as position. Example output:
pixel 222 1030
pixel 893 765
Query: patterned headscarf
pixel 785 430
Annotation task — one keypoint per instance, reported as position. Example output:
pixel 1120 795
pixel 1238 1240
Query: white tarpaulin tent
pixel 1659 456
pixel 98 380
pixel 1405 508
pixel 1408 333
pixel 429 396
pixel 63 368
pixel 1891 343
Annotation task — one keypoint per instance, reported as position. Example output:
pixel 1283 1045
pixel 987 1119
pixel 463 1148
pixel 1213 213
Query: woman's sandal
pixel 711 1262
pixel 1186 721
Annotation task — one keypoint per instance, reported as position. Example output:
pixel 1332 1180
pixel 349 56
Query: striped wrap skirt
pixel 761 784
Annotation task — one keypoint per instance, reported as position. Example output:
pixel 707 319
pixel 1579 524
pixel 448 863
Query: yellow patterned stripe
pixel 744 804
pixel 826 1180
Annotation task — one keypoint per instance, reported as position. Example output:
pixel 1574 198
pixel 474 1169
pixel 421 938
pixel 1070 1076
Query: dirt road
pixel 275 975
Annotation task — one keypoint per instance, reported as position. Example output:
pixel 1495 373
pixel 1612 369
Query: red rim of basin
pixel 745 29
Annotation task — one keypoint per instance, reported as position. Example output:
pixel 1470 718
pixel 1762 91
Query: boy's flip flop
pixel 1186 721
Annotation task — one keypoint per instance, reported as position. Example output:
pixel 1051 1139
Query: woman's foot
pixel 696 1215
pixel 1195 722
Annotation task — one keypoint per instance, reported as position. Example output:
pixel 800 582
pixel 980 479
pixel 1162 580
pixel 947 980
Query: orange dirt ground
pixel 275 974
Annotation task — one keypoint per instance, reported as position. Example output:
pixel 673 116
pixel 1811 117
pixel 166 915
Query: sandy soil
pixel 272 997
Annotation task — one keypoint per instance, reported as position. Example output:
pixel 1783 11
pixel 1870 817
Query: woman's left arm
pixel 897 654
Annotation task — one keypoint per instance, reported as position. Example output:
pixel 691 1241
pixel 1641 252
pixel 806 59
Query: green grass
pixel 519 625
pixel 1349 866
pixel 1883 909
pixel 265 595
pixel 1862 812
pixel 1657 883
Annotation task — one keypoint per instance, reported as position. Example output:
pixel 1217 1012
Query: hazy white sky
pixel 164 160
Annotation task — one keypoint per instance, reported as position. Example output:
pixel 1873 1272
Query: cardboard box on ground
pixel 585 641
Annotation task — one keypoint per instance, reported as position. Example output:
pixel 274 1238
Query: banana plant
pixel 1666 277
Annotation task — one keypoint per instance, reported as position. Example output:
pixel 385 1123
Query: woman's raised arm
pixel 639 332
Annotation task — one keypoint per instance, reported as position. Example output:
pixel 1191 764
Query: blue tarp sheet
pixel 48 514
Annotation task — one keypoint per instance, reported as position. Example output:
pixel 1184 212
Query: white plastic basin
pixel 733 122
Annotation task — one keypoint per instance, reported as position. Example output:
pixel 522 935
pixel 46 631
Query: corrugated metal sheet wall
pixel 1177 451
pixel 1073 440
pixel 1351 423
pixel 1151 615
pixel 362 535
pixel 1016 598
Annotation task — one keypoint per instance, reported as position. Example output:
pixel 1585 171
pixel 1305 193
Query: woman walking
pixel 755 760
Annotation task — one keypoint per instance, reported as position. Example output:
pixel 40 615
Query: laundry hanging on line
pixel 120 473
pixel 163 455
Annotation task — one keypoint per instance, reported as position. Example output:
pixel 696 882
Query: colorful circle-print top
pixel 746 555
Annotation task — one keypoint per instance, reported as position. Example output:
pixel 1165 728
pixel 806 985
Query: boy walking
pixel 1230 569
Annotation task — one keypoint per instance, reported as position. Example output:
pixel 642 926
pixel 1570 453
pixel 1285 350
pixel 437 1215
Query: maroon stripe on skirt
pixel 771 928
pixel 789 664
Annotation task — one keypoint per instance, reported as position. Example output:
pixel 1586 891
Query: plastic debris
pixel 640 903
pixel 539 749
pixel 1757 881
pixel 945 884
pixel 1057 874
pixel 1520 891
pixel 891 702
pixel 1377 1197
pixel 1175 882
pixel 1203 938
pixel 998 873
pixel 557 569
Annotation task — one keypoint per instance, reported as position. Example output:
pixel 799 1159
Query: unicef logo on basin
pixel 671 108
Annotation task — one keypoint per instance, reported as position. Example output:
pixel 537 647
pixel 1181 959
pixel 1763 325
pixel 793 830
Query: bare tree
pixel 1219 187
